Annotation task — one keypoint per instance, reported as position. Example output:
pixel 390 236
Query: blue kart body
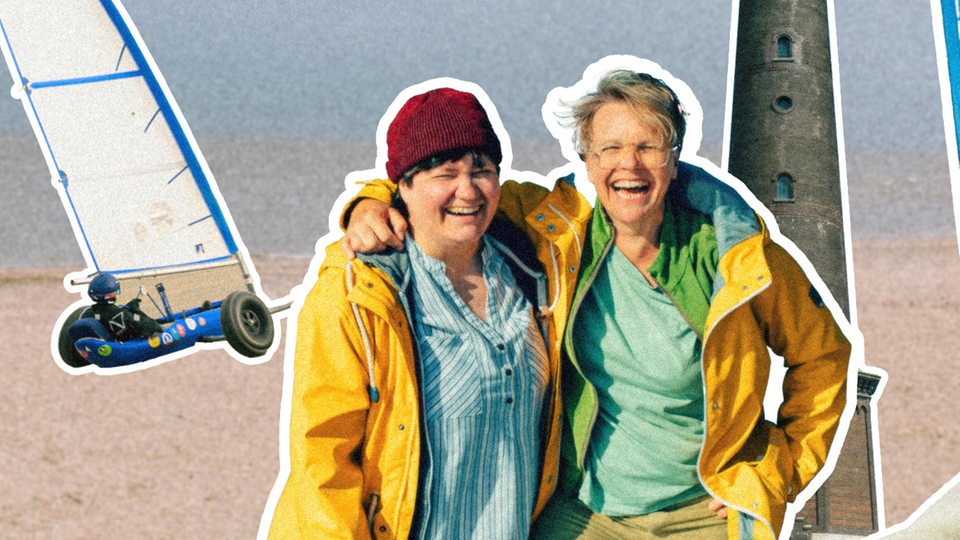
pixel 241 319
pixel 185 329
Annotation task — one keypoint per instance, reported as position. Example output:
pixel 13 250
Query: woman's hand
pixel 718 508
pixel 374 226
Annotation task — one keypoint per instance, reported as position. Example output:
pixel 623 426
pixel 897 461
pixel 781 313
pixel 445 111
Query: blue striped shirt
pixel 483 384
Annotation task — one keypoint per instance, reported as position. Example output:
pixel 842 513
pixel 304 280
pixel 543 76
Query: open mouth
pixel 631 187
pixel 464 210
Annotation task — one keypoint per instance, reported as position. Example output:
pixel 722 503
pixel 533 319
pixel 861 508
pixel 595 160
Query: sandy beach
pixel 189 449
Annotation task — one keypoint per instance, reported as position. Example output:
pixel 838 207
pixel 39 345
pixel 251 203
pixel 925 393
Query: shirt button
pixel 539 217
pixel 509 371
pixel 509 400
pixel 500 347
pixel 551 227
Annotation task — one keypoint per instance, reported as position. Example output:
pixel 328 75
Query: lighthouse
pixel 783 144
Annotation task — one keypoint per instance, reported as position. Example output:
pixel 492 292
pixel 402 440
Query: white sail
pixel 140 196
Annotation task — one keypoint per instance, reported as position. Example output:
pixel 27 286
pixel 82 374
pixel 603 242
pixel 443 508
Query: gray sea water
pixel 280 193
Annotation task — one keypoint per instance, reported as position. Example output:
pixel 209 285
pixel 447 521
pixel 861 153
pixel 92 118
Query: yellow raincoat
pixel 355 419
pixel 762 299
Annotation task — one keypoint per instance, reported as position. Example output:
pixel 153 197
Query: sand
pixel 189 449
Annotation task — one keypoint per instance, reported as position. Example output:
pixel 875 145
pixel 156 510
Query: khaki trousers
pixel 568 518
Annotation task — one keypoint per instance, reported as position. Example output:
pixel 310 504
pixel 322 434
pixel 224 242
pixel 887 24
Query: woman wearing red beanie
pixel 423 400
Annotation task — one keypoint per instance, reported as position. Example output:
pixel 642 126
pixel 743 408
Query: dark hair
pixel 432 162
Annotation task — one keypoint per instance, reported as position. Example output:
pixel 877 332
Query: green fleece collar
pixel 687 263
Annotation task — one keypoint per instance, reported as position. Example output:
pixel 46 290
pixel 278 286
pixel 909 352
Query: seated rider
pixel 124 322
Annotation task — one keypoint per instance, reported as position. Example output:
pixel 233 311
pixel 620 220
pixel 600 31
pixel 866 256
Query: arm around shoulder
pixel 379 189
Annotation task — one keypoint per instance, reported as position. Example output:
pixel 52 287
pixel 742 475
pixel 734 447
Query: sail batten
pixel 35 85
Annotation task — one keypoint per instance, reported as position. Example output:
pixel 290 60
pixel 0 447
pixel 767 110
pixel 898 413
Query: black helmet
pixel 104 289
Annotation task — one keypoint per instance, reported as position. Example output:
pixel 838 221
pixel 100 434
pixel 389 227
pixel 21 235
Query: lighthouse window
pixel 784 47
pixel 783 104
pixel 784 187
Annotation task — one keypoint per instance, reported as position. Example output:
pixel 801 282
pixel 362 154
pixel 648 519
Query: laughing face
pixel 630 164
pixel 450 206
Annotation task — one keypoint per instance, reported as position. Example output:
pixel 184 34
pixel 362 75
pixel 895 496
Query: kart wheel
pixel 246 323
pixel 69 353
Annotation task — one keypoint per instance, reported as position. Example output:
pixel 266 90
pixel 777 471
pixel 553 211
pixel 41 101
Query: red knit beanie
pixel 437 121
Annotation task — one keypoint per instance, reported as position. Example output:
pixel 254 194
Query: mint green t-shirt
pixel 643 449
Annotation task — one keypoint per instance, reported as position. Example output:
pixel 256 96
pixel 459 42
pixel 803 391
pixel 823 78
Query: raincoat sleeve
pixel 802 330
pixel 517 200
pixel 329 406
pixel 380 189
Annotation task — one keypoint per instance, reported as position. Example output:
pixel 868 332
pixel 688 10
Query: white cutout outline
pixel 564 135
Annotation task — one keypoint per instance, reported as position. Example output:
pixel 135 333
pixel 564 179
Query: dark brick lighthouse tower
pixel 783 145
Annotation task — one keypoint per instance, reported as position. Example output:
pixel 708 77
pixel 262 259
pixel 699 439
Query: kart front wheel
pixel 247 324
pixel 68 353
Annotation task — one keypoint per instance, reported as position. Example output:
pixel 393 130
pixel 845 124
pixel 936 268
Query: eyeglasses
pixel 650 157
